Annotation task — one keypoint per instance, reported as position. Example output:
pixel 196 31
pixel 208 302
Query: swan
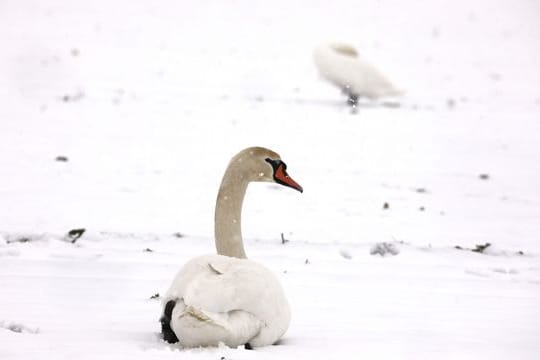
pixel 341 65
pixel 226 298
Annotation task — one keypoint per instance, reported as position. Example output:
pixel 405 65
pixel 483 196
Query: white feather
pixel 229 300
pixel 341 65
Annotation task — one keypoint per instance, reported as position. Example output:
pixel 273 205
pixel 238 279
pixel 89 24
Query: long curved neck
pixel 227 221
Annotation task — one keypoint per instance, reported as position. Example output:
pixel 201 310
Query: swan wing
pixel 225 284
pixel 230 300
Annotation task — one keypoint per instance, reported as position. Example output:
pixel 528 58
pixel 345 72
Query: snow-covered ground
pixel 149 100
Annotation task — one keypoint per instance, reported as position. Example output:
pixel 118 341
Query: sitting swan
pixel 227 298
pixel 341 65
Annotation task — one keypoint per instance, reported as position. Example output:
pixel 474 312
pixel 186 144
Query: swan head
pixel 265 165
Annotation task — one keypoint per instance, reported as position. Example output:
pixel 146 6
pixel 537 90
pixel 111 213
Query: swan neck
pixel 227 221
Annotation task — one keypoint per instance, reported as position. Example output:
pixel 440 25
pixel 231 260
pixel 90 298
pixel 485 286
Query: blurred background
pixel 122 116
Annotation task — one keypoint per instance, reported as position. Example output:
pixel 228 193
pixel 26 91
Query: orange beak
pixel 281 177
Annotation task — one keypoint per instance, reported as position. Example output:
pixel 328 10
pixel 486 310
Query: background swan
pixel 341 65
pixel 227 298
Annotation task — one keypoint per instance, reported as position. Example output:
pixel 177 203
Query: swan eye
pixel 275 163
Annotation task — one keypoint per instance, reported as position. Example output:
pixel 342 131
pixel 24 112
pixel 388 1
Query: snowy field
pixel 120 118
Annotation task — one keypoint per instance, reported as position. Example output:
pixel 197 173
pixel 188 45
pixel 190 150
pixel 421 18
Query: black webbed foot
pixel 352 100
pixel 168 335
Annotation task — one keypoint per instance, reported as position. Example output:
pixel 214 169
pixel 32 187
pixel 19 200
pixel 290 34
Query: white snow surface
pixel 149 100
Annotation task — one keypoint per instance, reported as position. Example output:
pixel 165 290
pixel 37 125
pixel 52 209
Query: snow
pixel 148 102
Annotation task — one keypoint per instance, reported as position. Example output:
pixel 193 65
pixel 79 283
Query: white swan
pixel 227 298
pixel 341 65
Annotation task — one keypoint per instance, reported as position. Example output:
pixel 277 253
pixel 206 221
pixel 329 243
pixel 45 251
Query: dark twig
pixel 75 234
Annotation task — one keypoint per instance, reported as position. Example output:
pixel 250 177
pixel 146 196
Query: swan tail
pixel 166 330
pixel 200 315
pixel 196 327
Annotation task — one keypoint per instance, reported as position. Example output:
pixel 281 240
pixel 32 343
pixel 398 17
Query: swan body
pixel 341 65
pixel 226 298
pixel 229 300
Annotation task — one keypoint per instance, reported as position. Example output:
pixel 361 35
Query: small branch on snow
pixel 478 248
pixel 22 238
pixel 481 248
pixel 345 254
pixel 61 158
pixel 18 328
pixel 384 249
pixel 73 235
